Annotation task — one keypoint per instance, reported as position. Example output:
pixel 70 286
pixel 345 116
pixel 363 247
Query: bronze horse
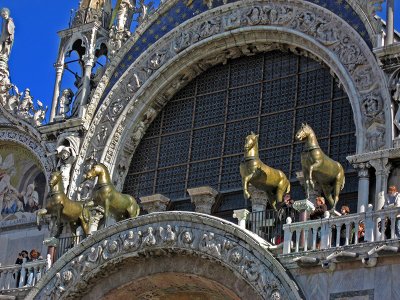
pixel 261 176
pixel 319 168
pixel 62 208
pixel 120 206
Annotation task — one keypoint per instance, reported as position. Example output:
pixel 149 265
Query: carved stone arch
pixel 221 33
pixel 366 10
pixel 14 135
pixel 67 47
pixel 233 261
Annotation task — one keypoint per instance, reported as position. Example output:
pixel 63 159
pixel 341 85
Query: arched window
pixel 198 138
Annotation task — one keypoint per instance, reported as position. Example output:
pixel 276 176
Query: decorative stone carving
pixel 64 103
pixel 259 199
pixel 67 151
pixel 241 215
pixel 176 236
pixel 7 34
pixel 203 198
pixel 375 137
pixel 303 205
pixel 154 203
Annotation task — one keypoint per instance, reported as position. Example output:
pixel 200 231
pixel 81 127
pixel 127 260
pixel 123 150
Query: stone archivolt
pixel 159 234
pixel 324 34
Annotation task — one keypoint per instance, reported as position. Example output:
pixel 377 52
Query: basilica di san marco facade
pixel 206 149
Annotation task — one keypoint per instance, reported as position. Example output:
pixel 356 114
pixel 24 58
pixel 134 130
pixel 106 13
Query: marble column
pixel 389 22
pixel 59 72
pixel 154 203
pixel 203 198
pixel 258 199
pixel 304 207
pixel 363 185
pixel 87 72
pixel 241 215
pixel 382 170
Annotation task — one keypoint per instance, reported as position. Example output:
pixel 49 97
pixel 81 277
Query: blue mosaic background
pixel 181 13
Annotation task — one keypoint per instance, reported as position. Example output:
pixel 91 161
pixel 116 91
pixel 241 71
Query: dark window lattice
pixel 198 138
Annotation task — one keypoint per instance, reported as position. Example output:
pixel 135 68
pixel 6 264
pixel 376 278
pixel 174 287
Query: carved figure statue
pixel 63 209
pixel 122 14
pixel 396 98
pixel 120 206
pixel 318 168
pixel 40 114
pixel 26 103
pixel 254 171
pixel 7 32
pixel 64 102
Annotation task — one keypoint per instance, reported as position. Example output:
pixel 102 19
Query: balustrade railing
pixel 331 232
pixel 25 275
pixel 269 224
pixel 66 243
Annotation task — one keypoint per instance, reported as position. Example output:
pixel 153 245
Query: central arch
pixel 228 31
pixel 216 257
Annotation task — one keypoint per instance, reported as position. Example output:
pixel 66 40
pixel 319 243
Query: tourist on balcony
pixel 286 210
pixel 318 213
pixel 319 210
pixel 345 210
pixel 20 260
pixel 361 232
pixel 392 200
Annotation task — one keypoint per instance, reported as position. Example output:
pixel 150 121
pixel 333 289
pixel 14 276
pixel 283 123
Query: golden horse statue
pixel 254 171
pixel 120 206
pixel 319 168
pixel 62 208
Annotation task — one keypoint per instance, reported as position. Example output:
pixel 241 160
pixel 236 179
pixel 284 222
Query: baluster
pixel 314 238
pixel 2 280
pixel 306 232
pixel 383 227
pixel 338 229
pixel 392 226
pixel 347 233
pixel 356 232
pixel 23 274
pixel 298 233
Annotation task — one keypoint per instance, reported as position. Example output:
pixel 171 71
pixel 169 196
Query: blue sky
pixel 36 42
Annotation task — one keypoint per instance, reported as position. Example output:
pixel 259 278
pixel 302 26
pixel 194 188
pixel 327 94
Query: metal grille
pixel 198 138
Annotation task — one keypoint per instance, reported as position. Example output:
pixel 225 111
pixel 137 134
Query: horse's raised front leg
pixel 39 216
pixel 245 181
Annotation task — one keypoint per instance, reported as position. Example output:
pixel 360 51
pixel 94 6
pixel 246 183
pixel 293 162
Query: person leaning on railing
pixel 318 213
pixel 392 200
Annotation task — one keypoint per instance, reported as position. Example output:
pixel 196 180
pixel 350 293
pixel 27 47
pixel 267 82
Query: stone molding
pixel 231 31
pixel 203 198
pixel 154 203
pixel 38 150
pixel 244 253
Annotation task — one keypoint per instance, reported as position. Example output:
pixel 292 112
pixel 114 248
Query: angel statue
pixel 7 32
pixel 7 170
pixel 40 114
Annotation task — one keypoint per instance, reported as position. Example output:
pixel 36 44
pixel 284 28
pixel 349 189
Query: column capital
pixel 303 205
pixel 259 199
pixel 382 166
pixel 203 198
pixel 154 203
pixel 362 169
pixel 241 214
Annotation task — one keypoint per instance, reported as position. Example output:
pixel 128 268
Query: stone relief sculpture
pixel 318 168
pixel 396 99
pixel 119 206
pixel 254 171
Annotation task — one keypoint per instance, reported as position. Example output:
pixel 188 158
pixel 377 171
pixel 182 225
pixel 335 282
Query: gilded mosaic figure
pixel 318 168
pixel 254 171
pixel 120 206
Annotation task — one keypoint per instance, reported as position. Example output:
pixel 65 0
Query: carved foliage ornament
pixel 323 26
pixel 144 240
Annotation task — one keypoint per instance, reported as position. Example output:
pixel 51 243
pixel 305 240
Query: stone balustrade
pixel 326 233
pixel 22 276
